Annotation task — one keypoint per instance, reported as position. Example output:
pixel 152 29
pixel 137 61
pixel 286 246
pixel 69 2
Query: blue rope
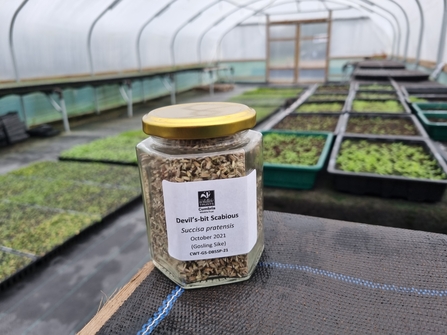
pixel 162 312
pixel 168 303
pixel 356 281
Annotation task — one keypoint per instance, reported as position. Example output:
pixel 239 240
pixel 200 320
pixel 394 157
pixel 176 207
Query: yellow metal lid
pixel 199 120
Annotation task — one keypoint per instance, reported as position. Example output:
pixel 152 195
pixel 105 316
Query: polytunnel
pixel 223 167
pixel 260 40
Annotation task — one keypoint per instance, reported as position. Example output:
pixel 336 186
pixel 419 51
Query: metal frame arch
pixel 185 24
pixel 394 17
pixel 199 44
pixel 333 1
pixel 421 33
pixel 407 37
pixel 90 32
pixel 11 41
pixel 140 32
pixel 441 44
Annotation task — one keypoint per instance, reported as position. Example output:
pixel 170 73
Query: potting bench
pixel 315 276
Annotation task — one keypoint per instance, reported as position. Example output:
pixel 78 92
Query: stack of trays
pixel 13 128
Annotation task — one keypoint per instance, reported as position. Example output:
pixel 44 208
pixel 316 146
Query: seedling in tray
pixel 375 96
pixel 376 87
pixel 367 106
pixel 335 107
pixel 379 125
pixel 293 159
pixel 327 97
pixel 308 122
pixel 286 149
pixel 395 159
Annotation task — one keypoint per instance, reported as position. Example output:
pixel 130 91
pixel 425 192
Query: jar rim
pixel 199 120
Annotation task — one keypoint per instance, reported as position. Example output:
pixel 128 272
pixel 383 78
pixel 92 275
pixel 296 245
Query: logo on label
pixel 206 198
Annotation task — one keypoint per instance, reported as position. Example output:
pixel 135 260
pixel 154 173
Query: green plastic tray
pixel 296 176
pixel 436 130
pixel 421 107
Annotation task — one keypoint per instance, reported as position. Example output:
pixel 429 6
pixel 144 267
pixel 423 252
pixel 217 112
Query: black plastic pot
pixel 388 186
pixel 343 124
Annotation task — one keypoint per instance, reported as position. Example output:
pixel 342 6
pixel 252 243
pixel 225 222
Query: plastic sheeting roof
pixel 50 38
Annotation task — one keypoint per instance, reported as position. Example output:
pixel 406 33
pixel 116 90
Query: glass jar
pixel 201 175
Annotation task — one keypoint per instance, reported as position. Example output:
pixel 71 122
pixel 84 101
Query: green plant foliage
pixel 292 150
pixel 384 158
pixel 37 230
pixel 377 87
pixel 378 96
pixel 328 97
pixel 67 195
pixel 389 106
pixel 279 92
pixel 381 126
pixel 308 122
pixel 332 88
pixel 335 107
pixel 95 173
pixel 120 148
pixel 10 264
pixel 416 99
pixel 264 101
pixel 263 112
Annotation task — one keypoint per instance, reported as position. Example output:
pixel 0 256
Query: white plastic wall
pixel 50 36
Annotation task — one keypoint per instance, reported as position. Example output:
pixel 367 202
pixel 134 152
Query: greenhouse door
pixel 297 52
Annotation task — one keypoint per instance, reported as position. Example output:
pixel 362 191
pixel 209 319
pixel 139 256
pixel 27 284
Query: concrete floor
pixel 61 296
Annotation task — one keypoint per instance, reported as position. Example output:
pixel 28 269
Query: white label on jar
pixel 212 218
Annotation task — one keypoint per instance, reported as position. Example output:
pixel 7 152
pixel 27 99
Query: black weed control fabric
pixel 316 276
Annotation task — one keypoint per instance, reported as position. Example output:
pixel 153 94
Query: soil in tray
pixel 333 88
pixel 375 96
pixel 292 150
pixel 366 106
pixel 335 107
pixel 384 158
pixel 381 126
pixel 437 119
pixel 327 97
pixel 376 87
pixel 308 122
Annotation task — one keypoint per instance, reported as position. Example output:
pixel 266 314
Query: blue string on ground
pixel 168 303
pixel 356 281
pixel 162 312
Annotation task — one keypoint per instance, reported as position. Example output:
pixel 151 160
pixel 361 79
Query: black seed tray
pixel 321 102
pixel 411 90
pixel 31 267
pixel 407 110
pixel 337 127
pixel 388 186
pixel 343 124
pixel 102 161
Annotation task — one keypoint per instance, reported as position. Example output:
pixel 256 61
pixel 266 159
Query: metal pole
pixel 421 34
pixel 95 91
pixel 60 93
pixel 129 99
pixel 185 24
pixel 11 44
pixel 211 82
pixel 442 36
pixel 90 31
pixel 407 36
pixel 22 104
pixel 140 32
pixel 173 88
